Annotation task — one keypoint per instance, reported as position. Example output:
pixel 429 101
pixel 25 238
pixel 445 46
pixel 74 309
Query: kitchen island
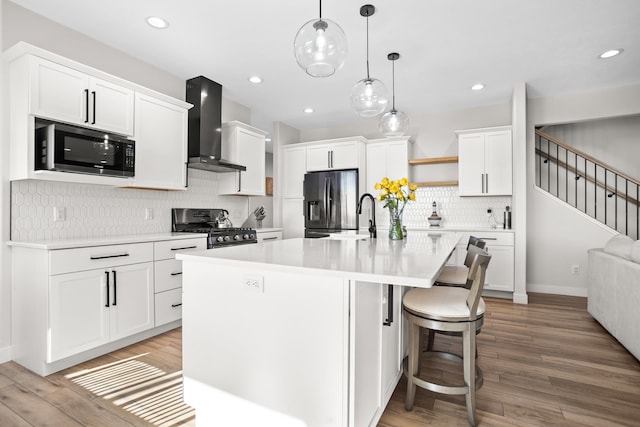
pixel 300 331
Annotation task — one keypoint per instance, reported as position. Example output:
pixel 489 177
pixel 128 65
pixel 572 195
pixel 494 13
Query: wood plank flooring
pixel 545 363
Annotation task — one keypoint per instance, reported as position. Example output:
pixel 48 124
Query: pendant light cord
pixel 368 48
pixel 321 10
pixel 393 85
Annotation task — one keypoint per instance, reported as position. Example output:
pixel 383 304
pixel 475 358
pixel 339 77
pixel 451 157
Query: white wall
pixel 558 238
pixel 282 135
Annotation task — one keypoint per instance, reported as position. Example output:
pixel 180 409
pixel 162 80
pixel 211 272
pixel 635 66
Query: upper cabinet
pixel 61 93
pixel 161 144
pixel 244 145
pixel 485 162
pixel 294 166
pixel 388 157
pixel 45 85
pixel 347 153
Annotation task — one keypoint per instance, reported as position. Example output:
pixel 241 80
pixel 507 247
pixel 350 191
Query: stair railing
pixel 588 184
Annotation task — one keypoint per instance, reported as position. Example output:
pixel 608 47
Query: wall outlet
pixel 489 211
pixel 58 214
pixel 148 214
pixel 575 270
pixel 253 283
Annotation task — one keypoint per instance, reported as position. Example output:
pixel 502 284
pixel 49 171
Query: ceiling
pixel 446 46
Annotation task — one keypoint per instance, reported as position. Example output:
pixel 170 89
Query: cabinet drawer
pixel 268 236
pixel 81 259
pixel 168 306
pixel 167 249
pixel 168 274
pixel 492 238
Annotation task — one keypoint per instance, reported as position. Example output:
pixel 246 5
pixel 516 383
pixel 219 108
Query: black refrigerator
pixel 330 202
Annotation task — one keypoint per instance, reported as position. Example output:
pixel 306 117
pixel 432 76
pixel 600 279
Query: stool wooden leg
pixel 431 339
pixel 412 364
pixel 469 362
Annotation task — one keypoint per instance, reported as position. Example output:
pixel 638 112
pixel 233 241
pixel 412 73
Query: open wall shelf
pixel 434 160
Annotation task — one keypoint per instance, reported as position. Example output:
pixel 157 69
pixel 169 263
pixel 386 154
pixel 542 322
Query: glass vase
pixel 395 224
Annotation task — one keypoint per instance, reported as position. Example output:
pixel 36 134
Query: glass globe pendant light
pixel 369 96
pixel 394 123
pixel 320 47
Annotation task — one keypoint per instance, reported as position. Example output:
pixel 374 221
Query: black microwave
pixel 65 148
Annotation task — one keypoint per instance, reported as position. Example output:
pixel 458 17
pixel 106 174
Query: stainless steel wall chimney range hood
pixel 205 126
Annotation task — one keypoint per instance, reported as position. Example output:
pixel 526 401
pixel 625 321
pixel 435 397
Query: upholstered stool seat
pixel 447 309
pixel 456 275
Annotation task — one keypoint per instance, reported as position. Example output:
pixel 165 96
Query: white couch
pixel 614 294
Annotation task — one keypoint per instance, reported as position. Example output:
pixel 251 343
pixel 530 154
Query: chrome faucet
pixel 373 233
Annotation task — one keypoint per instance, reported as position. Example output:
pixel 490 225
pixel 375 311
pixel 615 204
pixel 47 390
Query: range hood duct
pixel 205 127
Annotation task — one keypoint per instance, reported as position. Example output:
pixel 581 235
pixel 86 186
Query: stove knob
pixel 227 238
pixel 219 239
pixel 252 236
pixel 245 237
pixel 237 237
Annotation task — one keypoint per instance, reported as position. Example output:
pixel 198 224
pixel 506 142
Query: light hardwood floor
pixel 545 363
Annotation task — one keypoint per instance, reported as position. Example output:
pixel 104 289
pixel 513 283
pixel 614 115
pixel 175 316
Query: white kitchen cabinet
pixel 294 166
pixel 62 93
pixel 293 218
pixel 392 343
pixel 345 153
pixel 485 162
pixel 266 236
pixel 500 272
pixel 91 308
pixel 245 145
pixel 168 276
pixel 161 143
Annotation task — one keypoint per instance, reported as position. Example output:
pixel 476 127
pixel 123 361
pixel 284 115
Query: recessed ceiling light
pixel 255 79
pixel 477 86
pixel 267 139
pixel 157 22
pixel 611 53
pixel 308 110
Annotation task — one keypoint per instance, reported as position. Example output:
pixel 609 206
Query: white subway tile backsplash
pixel 103 211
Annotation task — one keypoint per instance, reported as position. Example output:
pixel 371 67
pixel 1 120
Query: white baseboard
pixel 557 290
pixel 5 354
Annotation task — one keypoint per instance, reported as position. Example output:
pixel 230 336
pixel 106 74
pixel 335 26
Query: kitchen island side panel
pixel 278 339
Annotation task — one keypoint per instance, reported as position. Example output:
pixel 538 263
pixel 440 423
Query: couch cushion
pixel 635 251
pixel 619 245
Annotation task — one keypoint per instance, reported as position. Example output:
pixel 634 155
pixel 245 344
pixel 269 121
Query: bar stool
pixel 456 275
pixel 450 309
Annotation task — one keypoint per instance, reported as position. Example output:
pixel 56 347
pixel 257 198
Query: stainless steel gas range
pixel 215 223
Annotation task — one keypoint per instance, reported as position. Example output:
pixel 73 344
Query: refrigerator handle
pixel 327 202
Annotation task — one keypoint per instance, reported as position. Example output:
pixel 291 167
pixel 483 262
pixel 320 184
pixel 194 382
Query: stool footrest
pixel 442 388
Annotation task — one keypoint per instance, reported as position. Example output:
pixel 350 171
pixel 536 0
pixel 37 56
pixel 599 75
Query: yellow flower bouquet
pixel 395 194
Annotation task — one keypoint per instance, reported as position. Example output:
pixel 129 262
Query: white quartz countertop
pixel 415 261
pixel 101 241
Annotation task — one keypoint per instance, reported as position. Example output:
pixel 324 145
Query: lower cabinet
pixel 500 245
pixel 69 305
pixel 266 236
pixel 378 349
pixel 91 308
pixel 168 276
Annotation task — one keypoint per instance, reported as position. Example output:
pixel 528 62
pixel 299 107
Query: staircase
pixel 587 184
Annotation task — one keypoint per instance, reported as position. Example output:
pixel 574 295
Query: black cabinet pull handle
pixel 389 319
pixel 270 238
pixel 108 256
pixel 177 273
pixel 176 305
pixel 186 247
pixel 86 105
pixel 93 122
pixel 115 289
pixel 107 299
pixel 239 181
